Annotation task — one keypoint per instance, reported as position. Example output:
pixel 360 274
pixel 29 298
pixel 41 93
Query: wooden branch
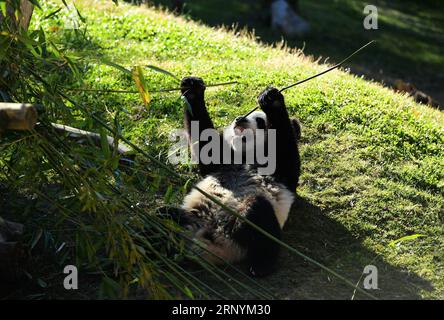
pixel 26 10
pixel 17 116
pixel 83 136
pixel 24 18
pixel 21 116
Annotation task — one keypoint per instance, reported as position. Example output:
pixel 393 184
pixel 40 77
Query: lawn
pixel 372 160
pixel 409 35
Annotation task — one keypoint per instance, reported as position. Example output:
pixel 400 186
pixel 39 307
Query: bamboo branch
pixel 21 116
pixel 26 10
pixel 81 135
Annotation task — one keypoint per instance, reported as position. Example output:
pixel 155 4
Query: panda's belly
pixel 233 196
pixel 242 190
pixel 280 198
pixel 237 193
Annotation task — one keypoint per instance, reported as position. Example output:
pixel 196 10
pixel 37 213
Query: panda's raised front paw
pixel 271 99
pixel 192 85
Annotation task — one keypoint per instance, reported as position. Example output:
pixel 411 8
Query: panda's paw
pixel 260 271
pixel 192 85
pixel 271 99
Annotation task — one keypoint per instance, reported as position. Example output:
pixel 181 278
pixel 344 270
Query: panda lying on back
pixel 263 199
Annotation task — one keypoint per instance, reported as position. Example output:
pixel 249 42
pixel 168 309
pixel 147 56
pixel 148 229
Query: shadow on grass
pixel 313 232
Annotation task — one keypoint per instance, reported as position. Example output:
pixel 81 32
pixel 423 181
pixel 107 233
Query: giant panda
pixel 263 199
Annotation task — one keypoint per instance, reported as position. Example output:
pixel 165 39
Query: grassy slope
pixel 416 55
pixel 372 160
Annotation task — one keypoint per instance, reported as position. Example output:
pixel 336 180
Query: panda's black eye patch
pixel 260 123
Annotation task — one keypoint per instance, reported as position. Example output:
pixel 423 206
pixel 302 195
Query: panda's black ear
pixel 297 128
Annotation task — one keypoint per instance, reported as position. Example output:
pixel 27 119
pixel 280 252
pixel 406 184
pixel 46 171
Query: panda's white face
pixel 241 134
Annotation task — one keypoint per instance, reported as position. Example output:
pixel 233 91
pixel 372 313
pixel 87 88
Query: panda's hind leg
pixel 178 215
pixel 262 252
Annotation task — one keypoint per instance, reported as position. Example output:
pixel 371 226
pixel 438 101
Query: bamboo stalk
pixel 81 135
pixel 26 10
pixel 17 116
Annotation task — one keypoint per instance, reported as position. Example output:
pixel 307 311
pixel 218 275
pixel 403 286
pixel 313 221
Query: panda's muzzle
pixel 240 123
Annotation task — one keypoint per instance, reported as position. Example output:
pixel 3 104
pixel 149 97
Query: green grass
pixel 372 160
pixel 409 35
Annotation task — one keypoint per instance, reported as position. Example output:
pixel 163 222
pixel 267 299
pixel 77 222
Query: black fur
pixel 261 252
pixel 288 166
pixel 193 89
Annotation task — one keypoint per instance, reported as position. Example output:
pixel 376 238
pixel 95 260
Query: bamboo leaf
pixel 188 104
pixel 168 195
pixel 52 14
pixel 141 85
pixel 115 65
pixel 42 283
pixel 78 13
pixel 104 143
pixel 406 238
pixel 188 292
pixel 36 238
pixel 157 69
pixel 3 8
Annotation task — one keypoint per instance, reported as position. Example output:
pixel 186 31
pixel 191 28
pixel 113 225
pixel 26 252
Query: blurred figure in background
pixel 285 16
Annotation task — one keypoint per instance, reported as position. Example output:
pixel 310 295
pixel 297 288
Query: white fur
pixel 210 185
pixel 222 248
pixel 234 137
pixel 280 198
pixel 239 199
pixel 281 205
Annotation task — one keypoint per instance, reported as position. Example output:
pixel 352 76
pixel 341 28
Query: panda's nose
pixel 240 120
